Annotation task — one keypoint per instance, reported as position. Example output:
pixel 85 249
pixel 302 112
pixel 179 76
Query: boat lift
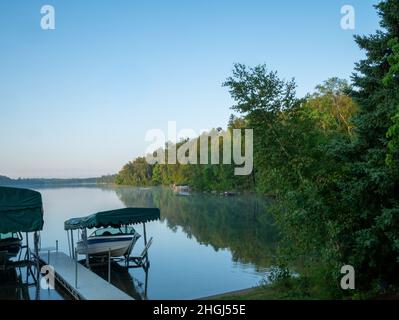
pixel 21 211
pixel 120 218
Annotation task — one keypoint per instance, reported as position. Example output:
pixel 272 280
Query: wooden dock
pixel 90 286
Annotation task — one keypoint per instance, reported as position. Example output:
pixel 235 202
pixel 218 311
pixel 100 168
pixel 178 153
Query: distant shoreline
pixel 39 182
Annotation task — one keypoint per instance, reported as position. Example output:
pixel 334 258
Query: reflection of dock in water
pixel 17 277
pixel 123 280
pixel 12 287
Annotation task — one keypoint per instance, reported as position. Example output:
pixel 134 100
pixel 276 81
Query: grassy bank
pixel 276 291
pixel 296 289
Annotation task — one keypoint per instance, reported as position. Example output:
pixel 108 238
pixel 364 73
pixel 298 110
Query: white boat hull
pixel 119 245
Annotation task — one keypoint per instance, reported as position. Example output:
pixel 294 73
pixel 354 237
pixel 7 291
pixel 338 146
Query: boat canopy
pixel 21 210
pixel 113 218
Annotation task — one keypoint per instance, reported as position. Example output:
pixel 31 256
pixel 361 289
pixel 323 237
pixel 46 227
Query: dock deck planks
pixel 90 285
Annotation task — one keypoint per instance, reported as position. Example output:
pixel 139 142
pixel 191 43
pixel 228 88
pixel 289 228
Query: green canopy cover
pixel 21 210
pixel 113 218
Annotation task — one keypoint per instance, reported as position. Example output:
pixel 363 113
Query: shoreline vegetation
pixel 330 160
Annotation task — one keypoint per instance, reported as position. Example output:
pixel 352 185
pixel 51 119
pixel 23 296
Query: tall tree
pixel 264 100
pixel 369 233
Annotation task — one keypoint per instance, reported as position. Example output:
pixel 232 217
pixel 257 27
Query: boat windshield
pixel 10 235
pixel 113 231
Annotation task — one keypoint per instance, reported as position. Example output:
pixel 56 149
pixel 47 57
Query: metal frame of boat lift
pixel 115 218
pixel 29 260
pixel 141 261
pixel 21 211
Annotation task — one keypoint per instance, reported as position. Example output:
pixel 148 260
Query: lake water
pixel 203 244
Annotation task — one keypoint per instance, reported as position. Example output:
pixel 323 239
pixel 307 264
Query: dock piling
pixel 72 244
pixel 109 265
pixel 76 268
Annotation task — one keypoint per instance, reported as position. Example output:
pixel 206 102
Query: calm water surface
pixel 203 245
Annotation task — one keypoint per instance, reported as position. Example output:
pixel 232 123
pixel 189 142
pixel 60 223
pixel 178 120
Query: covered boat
pixel 21 210
pixel 116 241
pixel 113 234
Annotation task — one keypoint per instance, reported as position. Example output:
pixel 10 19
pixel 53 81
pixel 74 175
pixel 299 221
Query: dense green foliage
pixel 331 160
pixel 293 144
pixel 368 194
pixel 136 173
pixel 206 177
pixel 389 80
pixel 108 179
pixel 347 210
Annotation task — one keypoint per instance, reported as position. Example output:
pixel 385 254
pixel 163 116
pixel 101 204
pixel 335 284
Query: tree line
pixel 330 159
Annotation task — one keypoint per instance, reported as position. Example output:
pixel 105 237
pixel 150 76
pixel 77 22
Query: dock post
pixel 86 245
pixel 146 283
pixel 69 245
pixel 48 257
pixel 72 245
pixel 36 246
pixel 76 269
pixel 56 246
pixel 145 240
pixel 109 265
pixel 27 247
pixel 145 234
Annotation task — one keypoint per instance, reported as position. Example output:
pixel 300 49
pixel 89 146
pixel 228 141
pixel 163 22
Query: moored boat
pixel 114 234
pixel 118 241
pixel 21 211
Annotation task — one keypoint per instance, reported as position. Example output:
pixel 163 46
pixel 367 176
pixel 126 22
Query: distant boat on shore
pixel 182 190
pixel 184 194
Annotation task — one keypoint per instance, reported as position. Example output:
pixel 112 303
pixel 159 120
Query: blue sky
pixel 77 101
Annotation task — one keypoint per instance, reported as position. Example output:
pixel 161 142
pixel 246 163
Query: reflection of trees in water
pixel 239 223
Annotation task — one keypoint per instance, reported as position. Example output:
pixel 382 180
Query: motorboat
pixel 21 211
pixel 114 235
pixel 10 243
pixel 118 241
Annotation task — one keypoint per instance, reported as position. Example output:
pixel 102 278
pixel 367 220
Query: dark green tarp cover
pixel 21 210
pixel 114 218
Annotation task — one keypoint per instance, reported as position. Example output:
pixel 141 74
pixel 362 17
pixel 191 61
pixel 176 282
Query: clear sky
pixel 77 101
